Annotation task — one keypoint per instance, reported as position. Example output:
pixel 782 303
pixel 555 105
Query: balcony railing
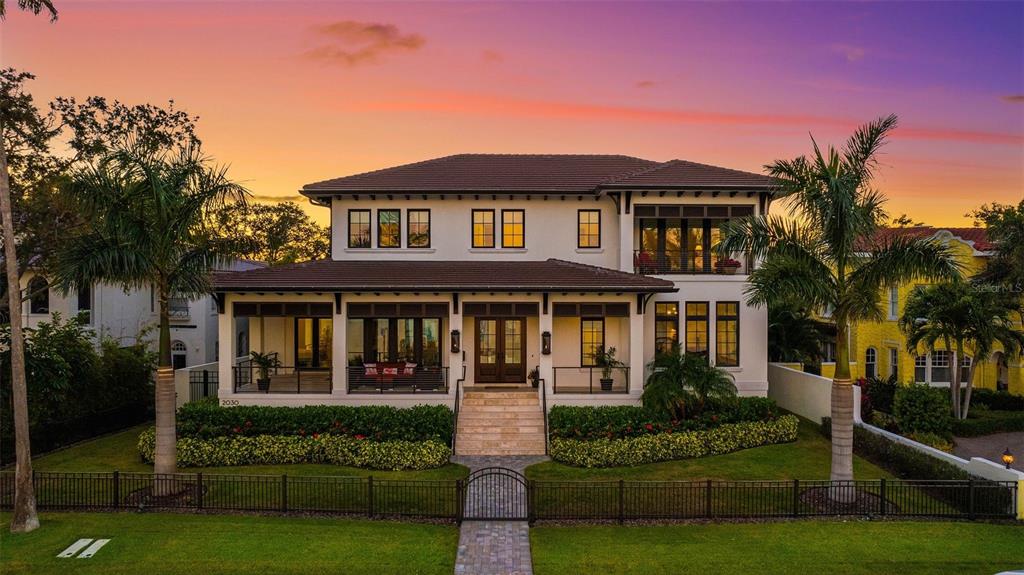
pixel 282 379
pixel 587 379
pixel 423 379
pixel 668 262
pixel 177 308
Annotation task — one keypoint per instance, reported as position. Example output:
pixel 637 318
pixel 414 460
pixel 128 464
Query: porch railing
pixel 424 379
pixel 669 262
pixel 590 379
pixel 282 379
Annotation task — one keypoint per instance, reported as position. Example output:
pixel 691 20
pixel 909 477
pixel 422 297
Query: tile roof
pixel 536 173
pixel 428 275
pixel 978 237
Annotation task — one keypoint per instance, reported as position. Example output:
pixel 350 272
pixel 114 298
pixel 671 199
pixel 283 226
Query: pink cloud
pixel 354 43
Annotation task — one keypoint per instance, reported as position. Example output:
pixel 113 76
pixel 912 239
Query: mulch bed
pixel 866 503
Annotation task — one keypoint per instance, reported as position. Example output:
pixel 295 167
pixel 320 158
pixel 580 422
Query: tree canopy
pixel 271 233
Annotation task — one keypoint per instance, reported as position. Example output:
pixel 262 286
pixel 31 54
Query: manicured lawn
pixel 791 548
pixel 119 452
pixel 163 543
pixel 806 458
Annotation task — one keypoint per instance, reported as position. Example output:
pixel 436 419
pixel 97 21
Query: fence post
pixel 199 490
pixel 622 503
pixel 970 498
pixel 117 489
pixel 881 497
pixel 284 492
pixel 530 516
pixel 206 383
pixel 459 502
pixel 369 497
pixel 707 499
pixel 796 497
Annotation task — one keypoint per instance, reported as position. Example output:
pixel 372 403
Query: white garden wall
pixel 805 394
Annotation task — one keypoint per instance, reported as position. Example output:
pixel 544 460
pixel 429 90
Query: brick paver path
pixel 494 547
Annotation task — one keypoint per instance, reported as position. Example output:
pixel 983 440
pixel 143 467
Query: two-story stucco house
pixel 473 271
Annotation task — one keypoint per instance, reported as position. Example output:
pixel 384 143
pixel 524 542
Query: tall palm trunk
pixel 970 380
pixel 842 413
pixel 165 455
pixel 24 518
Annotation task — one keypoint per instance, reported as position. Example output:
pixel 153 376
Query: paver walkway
pixel 494 547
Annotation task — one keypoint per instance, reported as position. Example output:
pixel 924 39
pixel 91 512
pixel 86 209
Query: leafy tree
pixel 815 256
pixel 1004 225
pixel 965 318
pixel 33 6
pixel 272 233
pixel 150 207
pixel 794 334
pixel 904 221
pixel 682 384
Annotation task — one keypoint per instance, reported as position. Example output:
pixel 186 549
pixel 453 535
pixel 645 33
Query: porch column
pixel 454 359
pixel 547 370
pixel 636 347
pixel 339 348
pixel 625 238
pixel 226 348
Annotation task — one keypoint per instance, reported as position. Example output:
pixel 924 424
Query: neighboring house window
pixel 697 328
pixel 940 366
pixel 727 333
pixel 483 228
pixel 666 326
pixel 870 362
pixel 179 354
pixel 965 368
pixel 920 368
pixel 894 302
pixel 589 234
pixel 389 228
pixel 85 300
pixel 513 228
pixel 39 298
pixel 827 311
pixel 419 229
pixel 894 363
pixel 592 340
pixel 359 228
pixel 828 352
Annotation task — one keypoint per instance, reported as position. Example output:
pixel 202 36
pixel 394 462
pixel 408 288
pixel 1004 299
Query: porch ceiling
pixel 413 276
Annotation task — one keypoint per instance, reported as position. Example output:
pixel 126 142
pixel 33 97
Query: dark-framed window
pixel 483 228
pixel 389 228
pixel 591 340
pixel 588 233
pixel 513 228
pixel 416 340
pixel 418 233
pixel 39 298
pixel 666 326
pixel 697 327
pixel 313 337
pixel 727 333
pixel 870 362
pixel 359 228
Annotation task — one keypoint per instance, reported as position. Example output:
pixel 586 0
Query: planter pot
pixel 729 271
pixel 263 384
pixel 606 384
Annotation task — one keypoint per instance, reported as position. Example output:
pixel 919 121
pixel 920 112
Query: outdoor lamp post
pixel 1007 458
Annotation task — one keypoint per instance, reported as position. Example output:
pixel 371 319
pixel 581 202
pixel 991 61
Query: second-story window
pixel 483 228
pixel 419 229
pixel 359 228
pixel 589 234
pixel 389 228
pixel 513 228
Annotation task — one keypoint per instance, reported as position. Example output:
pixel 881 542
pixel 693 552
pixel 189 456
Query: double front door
pixel 500 350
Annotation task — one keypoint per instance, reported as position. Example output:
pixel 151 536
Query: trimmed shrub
pixel 932 440
pixel 986 422
pixel 877 395
pixel 901 460
pixel 922 408
pixel 206 419
pixel 287 449
pixel 671 446
pixel 622 421
pixel 997 400
pixel 885 421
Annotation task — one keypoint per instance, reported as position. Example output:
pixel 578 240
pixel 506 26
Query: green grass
pixel 168 544
pixel 806 458
pixel 799 547
pixel 118 452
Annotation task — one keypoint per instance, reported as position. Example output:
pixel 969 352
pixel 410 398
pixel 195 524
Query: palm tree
pixel 794 334
pixel 684 382
pixel 149 208
pixel 961 315
pixel 817 258
pixel 24 517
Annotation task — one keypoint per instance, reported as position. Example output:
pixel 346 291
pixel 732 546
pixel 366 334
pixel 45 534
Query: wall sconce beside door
pixel 545 343
pixel 456 341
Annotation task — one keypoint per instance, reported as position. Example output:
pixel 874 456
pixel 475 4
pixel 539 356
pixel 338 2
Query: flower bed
pixel 668 445
pixel 315 448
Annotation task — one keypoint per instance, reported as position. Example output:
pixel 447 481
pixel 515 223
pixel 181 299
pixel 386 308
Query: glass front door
pixel 501 350
pixel 313 337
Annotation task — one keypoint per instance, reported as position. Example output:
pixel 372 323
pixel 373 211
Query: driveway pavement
pixel 991 447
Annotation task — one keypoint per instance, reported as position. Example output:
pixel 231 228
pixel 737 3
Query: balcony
pixel 250 378
pixel 178 308
pixel 679 262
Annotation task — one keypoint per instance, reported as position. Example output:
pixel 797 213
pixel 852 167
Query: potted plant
pixel 605 359
pixel 534 377
pixel 264 362
pixel 727 266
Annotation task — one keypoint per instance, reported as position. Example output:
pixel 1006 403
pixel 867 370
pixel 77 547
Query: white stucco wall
pixel 805 394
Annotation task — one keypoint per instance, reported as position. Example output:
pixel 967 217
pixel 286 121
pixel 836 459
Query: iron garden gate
pixel 496 494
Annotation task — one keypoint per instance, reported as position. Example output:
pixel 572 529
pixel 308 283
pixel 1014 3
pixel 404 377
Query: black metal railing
pixel 177 308
pixel 590 379
pixel 544 409
pixel 547 500
pixel 250 378
pixel 423 379
pixel 668 262
pixel 455 407
pixel 202 383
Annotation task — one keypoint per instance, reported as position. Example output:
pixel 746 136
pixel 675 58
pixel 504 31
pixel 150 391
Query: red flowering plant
pixel 728 263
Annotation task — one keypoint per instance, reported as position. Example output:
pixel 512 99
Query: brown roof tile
pixel 427 275
pixel 691 174
pixel 977 236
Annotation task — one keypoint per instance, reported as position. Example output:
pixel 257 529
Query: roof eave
pixel 427 288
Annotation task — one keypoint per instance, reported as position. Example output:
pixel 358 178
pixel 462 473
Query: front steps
pixel 500 423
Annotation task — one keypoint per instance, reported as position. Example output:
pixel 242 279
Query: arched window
pixel 870 363
pixel 179 354
pixel 39 295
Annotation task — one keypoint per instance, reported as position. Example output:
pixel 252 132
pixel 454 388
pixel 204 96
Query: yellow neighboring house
pixel 880 349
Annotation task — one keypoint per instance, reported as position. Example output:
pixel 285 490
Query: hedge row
pixel 622 421
pixel 206 420
pixel 285 449
pixel 901 460
pixel 670 446
pixel 997 400
pixel 981 422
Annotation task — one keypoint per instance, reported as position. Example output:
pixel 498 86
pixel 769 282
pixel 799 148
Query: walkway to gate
pixel 495 538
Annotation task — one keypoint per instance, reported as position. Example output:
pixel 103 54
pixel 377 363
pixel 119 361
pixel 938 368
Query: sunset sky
pixel 290 93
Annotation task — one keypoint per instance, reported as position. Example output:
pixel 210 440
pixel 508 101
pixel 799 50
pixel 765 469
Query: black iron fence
pixel 544 500
pixel 54 434
pixel 590 379
pixel 202 383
